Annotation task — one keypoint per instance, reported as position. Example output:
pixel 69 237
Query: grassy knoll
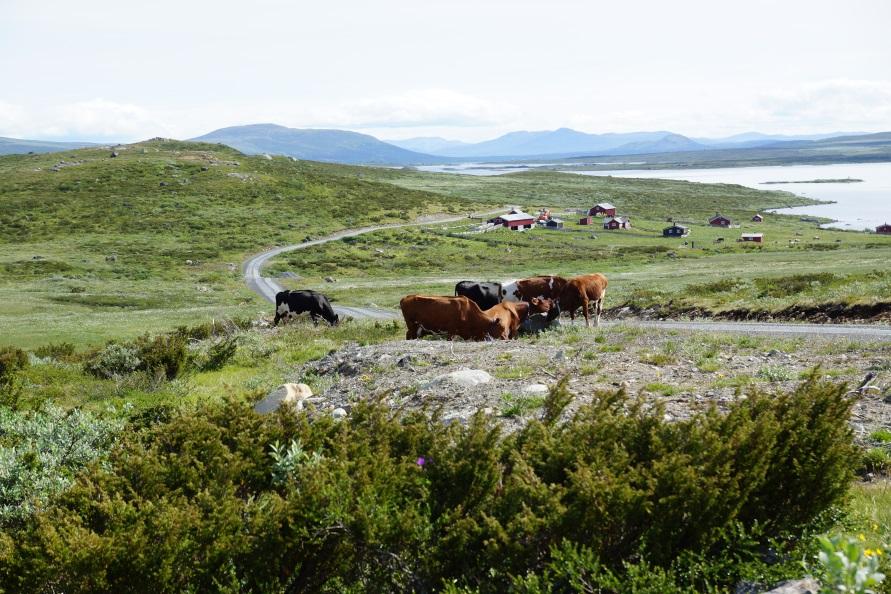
pixel 95 247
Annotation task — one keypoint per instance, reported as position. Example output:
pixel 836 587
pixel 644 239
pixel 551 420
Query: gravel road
pixel 268 287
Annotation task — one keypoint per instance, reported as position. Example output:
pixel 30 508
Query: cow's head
pixel 539 305
pixel 334 320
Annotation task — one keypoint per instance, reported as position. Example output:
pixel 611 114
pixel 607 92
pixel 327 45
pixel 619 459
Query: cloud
pixel 96 119
pixel 839 103
pixel 419 108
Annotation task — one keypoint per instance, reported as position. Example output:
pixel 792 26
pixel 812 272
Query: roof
pixel 605 205
pixel 677 226
pixel 752 235
pixel 515 216
pixel 553 220
pixel 719 216
pixel 617 219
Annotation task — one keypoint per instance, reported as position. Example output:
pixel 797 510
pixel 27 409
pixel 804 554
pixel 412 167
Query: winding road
pixel 267 287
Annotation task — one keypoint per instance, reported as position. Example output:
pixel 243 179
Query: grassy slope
pixel 643 266
pixel 155 206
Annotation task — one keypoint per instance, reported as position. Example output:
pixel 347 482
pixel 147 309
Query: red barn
pixel 756 237
pixel 617 223
pixel 515 220
pixel 719 221
pixel 603 209
pixel 588 220
pixel 884 229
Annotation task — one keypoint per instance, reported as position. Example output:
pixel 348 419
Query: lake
pixel 857 205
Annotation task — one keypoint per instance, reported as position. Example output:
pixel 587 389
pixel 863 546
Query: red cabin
pixel 603 209
pixel 588 220
pixel 617 223
pixel 719 221
pixel 515 220
pixel 884 229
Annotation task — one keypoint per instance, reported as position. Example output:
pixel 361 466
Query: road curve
pixel 267 288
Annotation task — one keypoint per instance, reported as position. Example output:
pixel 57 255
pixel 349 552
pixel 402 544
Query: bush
pixel 611 494
pixel 165 355
pixel 115 360
pixel 12 360
pixel 62 351
pixel 217 354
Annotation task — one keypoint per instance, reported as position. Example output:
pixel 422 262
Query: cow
pixel 539 322
pixel 291 303
pixel 512 315
pixel 485 295
pixel 452 316
pixel 582 291
pixel 543 287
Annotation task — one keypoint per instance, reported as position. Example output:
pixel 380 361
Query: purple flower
pixel 421 461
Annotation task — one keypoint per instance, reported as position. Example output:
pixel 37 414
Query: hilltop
pixel 12 146
pixel 317 145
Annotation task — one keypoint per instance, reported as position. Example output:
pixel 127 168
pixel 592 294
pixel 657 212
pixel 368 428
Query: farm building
pixel 617 223
pixel 884 229
pixel 515 220
pixel 554 223
pixel 676 230
pixel 603 209
pixel 719 221
pixel 758 219
pixel 756 237
pixel 586 220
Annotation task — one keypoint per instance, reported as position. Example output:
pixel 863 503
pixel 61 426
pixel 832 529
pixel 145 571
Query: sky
pixel 112 70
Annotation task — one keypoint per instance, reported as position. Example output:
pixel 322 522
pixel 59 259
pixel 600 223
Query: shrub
pixel 845 566
pixel 610 494
pixel 115 360
pixel 12 360
pixel 62 351
pixel 165 355
pixel 217 354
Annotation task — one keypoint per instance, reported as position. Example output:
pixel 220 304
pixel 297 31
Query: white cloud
pixel 838 104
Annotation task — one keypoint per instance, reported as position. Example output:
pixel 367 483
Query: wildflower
pixel 421 461
pixel 861 537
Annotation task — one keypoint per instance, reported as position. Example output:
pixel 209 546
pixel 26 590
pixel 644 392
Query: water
pixel 861 205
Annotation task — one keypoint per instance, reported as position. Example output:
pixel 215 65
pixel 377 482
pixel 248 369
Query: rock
pixel 805 586
pixel 404 361
pixel 348 369
pixel 465 378
pixel 378 251
pixel 286 394
pixel 189 262
pixel 205 168
pixel 560 356
pixel 114 154
pixel 330 279
pixel 338 413
pixel 37 257
pixel 385 359
pixel 536 389
pixel 267 157
pixel 162 184
pixel 488 411
pixel 111 258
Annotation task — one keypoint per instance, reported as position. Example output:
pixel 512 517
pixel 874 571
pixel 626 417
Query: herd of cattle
pixel 477 311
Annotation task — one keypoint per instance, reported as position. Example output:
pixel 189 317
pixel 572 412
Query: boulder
pixel 338 413
pixel 805 586
pixel 286 394
pixel 465 378
pixel 536 389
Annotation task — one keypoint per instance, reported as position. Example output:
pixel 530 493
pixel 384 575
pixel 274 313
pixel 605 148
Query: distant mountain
pixel 565 142
pixel 336 146
pixel 12 146
pixel 756 139
pixel 431 145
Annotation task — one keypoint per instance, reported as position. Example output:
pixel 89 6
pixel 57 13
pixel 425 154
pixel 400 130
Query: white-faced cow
pixel 485 295
pixel 292 303
pixel 543 287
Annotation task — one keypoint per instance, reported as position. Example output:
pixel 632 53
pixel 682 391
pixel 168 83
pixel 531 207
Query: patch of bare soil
pixel 684 371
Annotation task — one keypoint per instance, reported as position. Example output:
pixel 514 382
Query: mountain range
pixel 342 146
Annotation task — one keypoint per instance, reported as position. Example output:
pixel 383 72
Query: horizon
pixel 105 72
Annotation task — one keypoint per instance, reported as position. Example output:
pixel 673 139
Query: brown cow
pixel 543 287
pixel 511 315
pixel 453 316
pixel 580 291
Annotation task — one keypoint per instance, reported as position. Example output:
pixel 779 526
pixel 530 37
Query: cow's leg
pixel 586 312
pixel 276 319
pixel 314 318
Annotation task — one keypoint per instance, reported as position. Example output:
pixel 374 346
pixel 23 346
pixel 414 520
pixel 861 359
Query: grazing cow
pixel 291 303
pixel 511 315
pixel 580 291
pixel 452 316
pixel 485 295
pixel 543 287
pixel 539 322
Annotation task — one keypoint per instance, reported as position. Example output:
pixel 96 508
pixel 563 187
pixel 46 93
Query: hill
pixel 431 145
pixel 12 146
pixel 93 246
pixel 337 146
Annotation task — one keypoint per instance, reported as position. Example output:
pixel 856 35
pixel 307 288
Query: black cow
pixel 485 295
pixel 291 303
pixel 541 321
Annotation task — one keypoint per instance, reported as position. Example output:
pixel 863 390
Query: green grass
pixel 519 405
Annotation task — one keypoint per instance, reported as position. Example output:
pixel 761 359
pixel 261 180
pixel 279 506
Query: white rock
pixel 286 394
pixel 536 389
pixel 466 378
pixel 806 586
pixel 338 413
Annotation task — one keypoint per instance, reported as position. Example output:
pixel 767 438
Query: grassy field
pixel 709 269
pixel 94 247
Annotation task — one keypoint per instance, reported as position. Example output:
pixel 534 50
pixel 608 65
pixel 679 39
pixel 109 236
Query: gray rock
pixel 465 378
pixel 330 279
pixel 805 586
pixel 405 361
pixel 111 258
pixel 536 389
pixel 339 413
pixel 285 395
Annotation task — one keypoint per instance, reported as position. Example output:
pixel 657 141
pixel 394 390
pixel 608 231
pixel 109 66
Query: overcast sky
pixel 469 70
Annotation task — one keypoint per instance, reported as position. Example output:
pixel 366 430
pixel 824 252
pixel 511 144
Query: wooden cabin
pixel 613 223
pixel 755 237
pixel 719 221
pixel 884 229
pixel 676 230
pixel 586 220
pixel 515 220
pixel 757 219
pixel 602 209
